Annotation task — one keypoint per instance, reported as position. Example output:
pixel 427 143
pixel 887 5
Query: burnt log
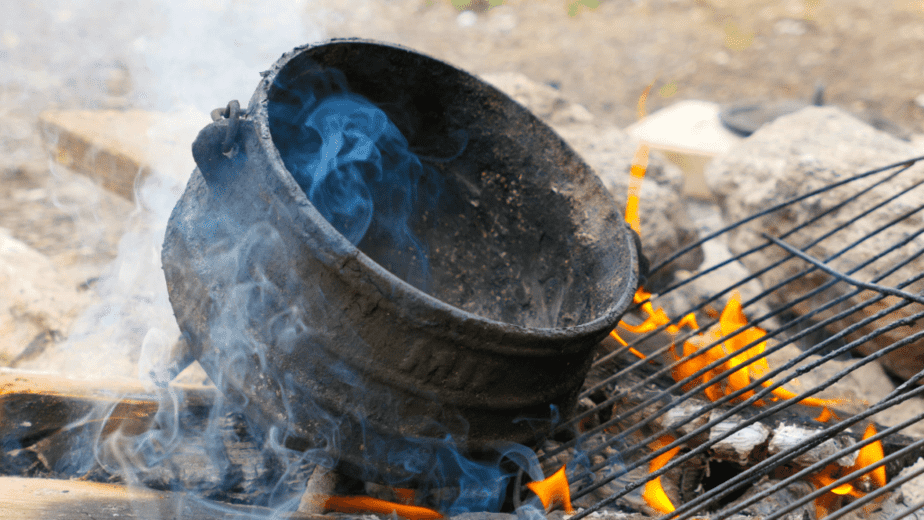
pixel 120 431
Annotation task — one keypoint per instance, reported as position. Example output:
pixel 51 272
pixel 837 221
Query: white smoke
pixel 180 57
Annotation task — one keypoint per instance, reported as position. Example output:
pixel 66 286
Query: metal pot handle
pixel 217 143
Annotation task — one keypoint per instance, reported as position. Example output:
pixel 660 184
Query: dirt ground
pixel 725 51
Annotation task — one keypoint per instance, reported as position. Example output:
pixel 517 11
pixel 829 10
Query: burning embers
pixel 722 362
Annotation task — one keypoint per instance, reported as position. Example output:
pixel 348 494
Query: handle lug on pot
pixel 216 145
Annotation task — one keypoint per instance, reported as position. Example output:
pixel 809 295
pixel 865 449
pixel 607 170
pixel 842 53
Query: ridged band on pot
pixel 531 265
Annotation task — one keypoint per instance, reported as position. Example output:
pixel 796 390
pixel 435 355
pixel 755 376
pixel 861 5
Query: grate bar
pixel 825 462
pixel 902 166
pixel 686 510
pixel 755 275
pixel 843 277
pixel 667 392
pixel 830 432
pixel 760 394
pixel 789 365
pixel 756 321
pixel 796 329
pixel 766 292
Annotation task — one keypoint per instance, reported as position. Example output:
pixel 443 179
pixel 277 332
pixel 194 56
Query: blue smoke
pixel 478 485
pixel 358 170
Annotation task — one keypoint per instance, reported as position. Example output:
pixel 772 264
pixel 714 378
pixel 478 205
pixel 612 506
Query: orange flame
pixel 868 455
pixel 404 496
pixel 553 491
pixel 637 172
pixel 366 505
pixel 731 319
pixel 654 494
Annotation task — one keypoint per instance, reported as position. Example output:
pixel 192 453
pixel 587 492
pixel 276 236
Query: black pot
pixel 530 266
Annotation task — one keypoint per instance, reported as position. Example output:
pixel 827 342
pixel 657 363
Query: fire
pixel 553 491
pixel 731 319
pixel 868 455
pixel 366 505
pixel 637 172
pixel 654 494
pixel 690 359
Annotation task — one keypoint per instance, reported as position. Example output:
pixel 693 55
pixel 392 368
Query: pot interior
pixel 461 191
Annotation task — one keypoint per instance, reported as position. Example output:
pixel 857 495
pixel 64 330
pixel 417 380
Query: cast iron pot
pixel 530 266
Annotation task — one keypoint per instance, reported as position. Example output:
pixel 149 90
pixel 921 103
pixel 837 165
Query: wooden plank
pixel 34 404
pixel 48 499
pixel 119 148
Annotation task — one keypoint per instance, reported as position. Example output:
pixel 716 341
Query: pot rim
pixel 258 114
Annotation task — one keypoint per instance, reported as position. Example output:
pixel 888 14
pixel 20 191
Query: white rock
pixel 687 125
pixel 739 445
pixel 466 19
pixel 36 303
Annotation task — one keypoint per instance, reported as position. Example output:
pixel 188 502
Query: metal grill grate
pixel 844 310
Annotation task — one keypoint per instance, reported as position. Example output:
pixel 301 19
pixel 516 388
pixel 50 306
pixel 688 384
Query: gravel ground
pixel 717 50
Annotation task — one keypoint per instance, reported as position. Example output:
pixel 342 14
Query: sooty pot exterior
pixel 530 266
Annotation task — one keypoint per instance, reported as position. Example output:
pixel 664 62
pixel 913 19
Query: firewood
pixel 115 147
pixel 48 499
pixel 33 404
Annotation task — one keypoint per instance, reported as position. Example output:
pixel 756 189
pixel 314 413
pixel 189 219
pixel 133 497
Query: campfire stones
pixel 38 303
pixel 807 150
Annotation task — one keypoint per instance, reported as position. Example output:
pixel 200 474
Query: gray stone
pixel 37 304
pixel 666 225
pixel 811 149
pixel 862 387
